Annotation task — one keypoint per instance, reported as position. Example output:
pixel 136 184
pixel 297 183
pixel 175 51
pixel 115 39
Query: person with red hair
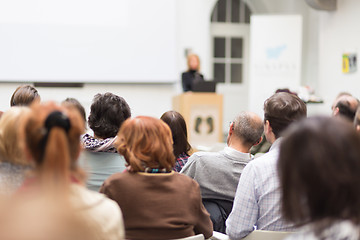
pixel 150 193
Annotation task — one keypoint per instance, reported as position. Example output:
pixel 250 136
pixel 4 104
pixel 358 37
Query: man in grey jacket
pixel 218 173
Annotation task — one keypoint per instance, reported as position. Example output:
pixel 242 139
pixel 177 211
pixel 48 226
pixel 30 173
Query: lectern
pixel 203 113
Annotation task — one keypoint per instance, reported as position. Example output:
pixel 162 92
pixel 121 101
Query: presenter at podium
pixel 192 75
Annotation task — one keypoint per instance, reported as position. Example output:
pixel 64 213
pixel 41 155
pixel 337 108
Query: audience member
pixel 39 217
pixel 73 102
pixel 24 95
pixel 345 105
pixel 257 199
pixel 192 75
pixel 13 164
pixel 52 141
pixel 157 202
pixel 218 173
pixel 319 165
pixel 181 145
pixel 357 120
pixel 100 158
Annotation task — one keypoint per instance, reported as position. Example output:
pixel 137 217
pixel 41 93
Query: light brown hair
pixel 146 142
pixel 24 95
pixel 54 149
pixel 10 149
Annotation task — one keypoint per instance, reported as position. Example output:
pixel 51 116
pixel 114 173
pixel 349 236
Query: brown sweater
pixel 158 205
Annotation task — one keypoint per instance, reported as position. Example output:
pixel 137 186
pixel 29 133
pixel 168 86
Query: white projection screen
pixel 88 41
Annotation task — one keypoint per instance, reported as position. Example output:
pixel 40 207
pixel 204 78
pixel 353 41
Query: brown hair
pixel 177 124
pixel 73 102
pixel 24 95
pixel 146 142
pixel 319 165
pixel 10 149
pixel 281 109
pixel 52 137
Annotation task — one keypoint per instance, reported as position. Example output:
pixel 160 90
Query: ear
pixel 336 111
pixel 258 141
pixel 231 128
pixel 267 127
pixel 358 128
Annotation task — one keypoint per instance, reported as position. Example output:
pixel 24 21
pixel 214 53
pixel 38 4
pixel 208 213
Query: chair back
pixel 267 235
pixel 196 237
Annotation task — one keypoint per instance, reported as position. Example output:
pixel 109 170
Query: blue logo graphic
pixel 275 52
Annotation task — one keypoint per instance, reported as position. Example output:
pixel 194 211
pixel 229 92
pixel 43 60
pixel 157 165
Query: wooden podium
pixel 203 113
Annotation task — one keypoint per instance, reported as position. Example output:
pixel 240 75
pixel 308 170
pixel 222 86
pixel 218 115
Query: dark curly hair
pixel 107 113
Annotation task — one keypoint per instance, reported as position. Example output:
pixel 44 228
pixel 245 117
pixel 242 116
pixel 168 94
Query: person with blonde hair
pixel 51 137
pixel 149 192
pixel 13 164
pixel 192 75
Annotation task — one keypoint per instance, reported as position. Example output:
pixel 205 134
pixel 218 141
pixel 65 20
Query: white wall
pixel 193 31
pixel 338 32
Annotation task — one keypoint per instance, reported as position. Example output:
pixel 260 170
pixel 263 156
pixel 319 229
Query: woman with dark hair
pixel 181 145
pixel 51 138
pixel 100 159
pixel 319 165
pixel 149 192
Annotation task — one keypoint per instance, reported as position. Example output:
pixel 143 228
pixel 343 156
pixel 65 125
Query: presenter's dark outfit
pixel 190 78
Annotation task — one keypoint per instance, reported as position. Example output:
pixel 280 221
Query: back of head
pixel 24 95
pixel 10 148
pixel 248 127
pixel 146 142
pixel 345 106
pixel 319 165
pixel 52 139
pixel 107 113
pixel 177 124
pixel 281 109
pixel 72 102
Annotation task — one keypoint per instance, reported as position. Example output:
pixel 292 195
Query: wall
pixel 193 31
pixel 338 33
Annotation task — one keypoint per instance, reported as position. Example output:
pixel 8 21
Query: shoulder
pixel 204 155
pixel 269 158
pixel 83 198
pixel 186 181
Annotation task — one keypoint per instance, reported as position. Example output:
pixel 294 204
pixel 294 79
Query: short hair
pixel 192 55
pixel 107 113
pixel 10 149
pixel 177 125
pixel 75 103
pixel 248 127
pixel 146 142
pixel 24 95
pixel 281 109
pixel 319 165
